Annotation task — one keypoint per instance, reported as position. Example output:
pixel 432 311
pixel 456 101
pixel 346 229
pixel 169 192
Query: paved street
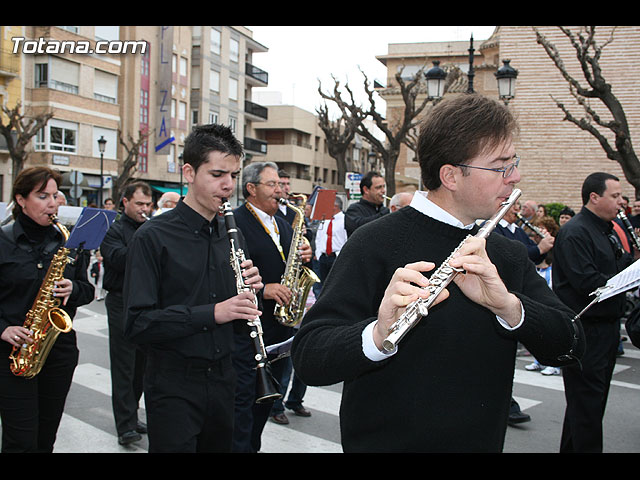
pixel 87 425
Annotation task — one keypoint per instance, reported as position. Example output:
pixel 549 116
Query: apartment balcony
pixel 255 112
pixel 9 64
pixel 256 76
pixel 252 145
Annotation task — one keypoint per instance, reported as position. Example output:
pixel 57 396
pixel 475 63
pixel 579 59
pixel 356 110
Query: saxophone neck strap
pixel 266 229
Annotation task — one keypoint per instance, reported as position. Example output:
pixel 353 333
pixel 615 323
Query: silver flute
pixel 439 281
pixel 627 224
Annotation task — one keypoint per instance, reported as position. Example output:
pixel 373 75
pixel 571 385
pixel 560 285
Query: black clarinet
pixel 267 387
pixel 627 224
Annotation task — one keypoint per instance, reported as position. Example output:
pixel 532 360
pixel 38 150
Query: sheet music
pixel 623 281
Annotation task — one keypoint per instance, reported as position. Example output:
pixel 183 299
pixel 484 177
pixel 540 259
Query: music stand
pixel 90 229
pixel 323 204
pixel 621 282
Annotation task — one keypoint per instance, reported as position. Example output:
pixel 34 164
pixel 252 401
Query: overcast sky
pixel 300 55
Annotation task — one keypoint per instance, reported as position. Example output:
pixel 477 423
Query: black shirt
pixel 177 270
pixel 362 212
pixel 23 265
pixel 114 250
pixel 587 253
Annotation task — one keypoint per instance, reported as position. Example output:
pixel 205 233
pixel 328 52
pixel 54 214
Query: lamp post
pixel 180 160
pixel 101 144
pixel 506 76
pixel 435 81
pixel 471 73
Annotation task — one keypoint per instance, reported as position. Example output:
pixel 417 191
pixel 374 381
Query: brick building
pixel 556 155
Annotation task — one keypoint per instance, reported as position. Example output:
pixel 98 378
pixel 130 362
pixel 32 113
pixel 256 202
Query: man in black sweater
pixel 127 359
pixel 587 253
pixel 371 206
pixel 447 386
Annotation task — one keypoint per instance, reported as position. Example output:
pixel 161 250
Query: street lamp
pixel 101 144
pixel 506 76
pixel 435 81
pixel 181 160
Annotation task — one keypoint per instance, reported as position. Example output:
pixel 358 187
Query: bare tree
pixel 25 128
pixel 394 131
pixel 589 53
pixel 128 166
pixel 340 132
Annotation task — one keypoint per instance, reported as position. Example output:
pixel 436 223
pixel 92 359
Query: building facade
pixel 151 97
pixel 556 156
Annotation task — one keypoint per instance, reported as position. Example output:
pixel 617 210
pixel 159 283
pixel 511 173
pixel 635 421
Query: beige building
pixel 298 145
pixel 157 82
pixel 556 156
pixel 10 94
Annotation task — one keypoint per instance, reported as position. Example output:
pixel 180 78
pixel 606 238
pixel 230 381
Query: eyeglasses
pixel 506 171
pixel 268 184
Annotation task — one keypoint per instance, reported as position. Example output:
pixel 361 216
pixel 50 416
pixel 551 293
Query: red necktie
pixel 329 232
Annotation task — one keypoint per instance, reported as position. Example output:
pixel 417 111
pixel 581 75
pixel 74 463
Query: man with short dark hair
pixel 371 206
pixel 182 303
pixel 447 386
pixel 127 359
pixel 587 253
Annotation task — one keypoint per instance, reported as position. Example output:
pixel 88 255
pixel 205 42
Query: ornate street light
pixel 435 81
pixel 506 76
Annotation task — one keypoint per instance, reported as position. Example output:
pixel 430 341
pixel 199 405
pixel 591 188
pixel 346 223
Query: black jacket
pixel 362 212
pixel 114 249
pixel 587 253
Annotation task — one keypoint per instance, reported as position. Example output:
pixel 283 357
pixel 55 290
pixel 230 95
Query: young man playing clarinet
pixel 181 301
pixel 446 387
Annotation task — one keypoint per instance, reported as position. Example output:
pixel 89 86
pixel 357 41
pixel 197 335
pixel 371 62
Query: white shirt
pixel 338 235
pixel 425 206
pixel 268 222
pixel 510 226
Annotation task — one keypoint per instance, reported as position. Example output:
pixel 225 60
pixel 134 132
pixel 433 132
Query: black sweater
pixel 448 387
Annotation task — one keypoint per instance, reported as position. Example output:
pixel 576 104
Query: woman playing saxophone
pixel 27 248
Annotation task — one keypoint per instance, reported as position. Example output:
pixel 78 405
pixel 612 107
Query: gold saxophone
pixel 45 319
pixel 298 278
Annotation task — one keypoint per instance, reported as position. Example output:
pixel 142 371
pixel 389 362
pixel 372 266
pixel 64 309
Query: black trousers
pixel 127 368
pixel 587 389
pixel 189 404
pixel 31 409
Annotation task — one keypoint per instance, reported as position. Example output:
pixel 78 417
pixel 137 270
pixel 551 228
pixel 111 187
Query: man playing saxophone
pixel 269 237
pixel 31 408
pixel 447 386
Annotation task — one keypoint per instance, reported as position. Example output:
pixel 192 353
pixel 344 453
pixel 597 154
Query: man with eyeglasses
pixel 268 238
pixel 587 253
pixel 447 386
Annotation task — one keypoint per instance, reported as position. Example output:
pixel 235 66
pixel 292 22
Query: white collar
pixel 427 207
pixel 510 226
pixel 264 217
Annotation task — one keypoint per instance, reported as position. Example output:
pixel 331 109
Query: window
pixel 233 89
pixel 182 111
pixel 214 80
pixel 105 86
pixel 144 107
pixel 233 122
pixel 42 75
pixel 64 75
pixel 183 66
pixel 215 41
pixel 63 136
pixel 213 117
pixel 234 50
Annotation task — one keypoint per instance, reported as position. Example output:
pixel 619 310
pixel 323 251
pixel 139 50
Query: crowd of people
pixel 179 325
